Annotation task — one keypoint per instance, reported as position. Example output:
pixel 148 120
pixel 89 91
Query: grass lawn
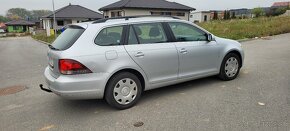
pixel 248 28
pixel 44 38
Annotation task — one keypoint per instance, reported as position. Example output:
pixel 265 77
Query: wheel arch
pixel 237 52
pixel 141 76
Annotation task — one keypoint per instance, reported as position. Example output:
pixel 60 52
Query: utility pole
pixel 54 22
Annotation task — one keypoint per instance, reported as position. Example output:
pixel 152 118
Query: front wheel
pixel 230 67
pixel 123 90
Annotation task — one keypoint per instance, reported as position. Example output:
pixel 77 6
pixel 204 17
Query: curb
pixel 43 42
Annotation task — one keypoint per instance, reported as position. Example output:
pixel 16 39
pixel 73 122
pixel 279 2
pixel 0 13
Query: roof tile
pixel 75 11
pixel 150 4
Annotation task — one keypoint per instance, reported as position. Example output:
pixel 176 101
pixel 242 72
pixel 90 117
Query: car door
pixel 148 46
pixel 197 56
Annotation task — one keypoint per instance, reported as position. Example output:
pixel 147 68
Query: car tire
pixel 230 67
pixel 123 90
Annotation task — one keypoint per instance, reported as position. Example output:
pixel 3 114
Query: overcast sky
pixel 96 4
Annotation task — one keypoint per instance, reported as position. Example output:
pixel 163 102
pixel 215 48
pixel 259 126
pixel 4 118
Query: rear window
pixel 66 39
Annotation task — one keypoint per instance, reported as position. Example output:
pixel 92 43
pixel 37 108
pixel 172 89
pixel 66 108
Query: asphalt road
pixel 259 99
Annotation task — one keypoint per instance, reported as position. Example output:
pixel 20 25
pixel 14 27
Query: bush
pixel 258 12
pixel 43 37
pixel 276 11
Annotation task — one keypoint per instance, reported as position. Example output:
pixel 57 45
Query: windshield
pixel 66 39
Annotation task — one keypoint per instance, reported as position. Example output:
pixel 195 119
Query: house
pixel 241 13
pixel 287 13
pixel 146 7
pixel 2 29
pixel 19 26
pixel 38 23
pixel 68 15
pixel 3 26
pixel 201 16
pixel 281 4
pixel 220 14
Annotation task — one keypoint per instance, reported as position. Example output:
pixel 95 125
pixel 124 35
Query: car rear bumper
pixel 85 86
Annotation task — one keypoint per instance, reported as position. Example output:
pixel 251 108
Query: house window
pixel 116 14
pixel 180 14
pixel 161 13
pixel 119 13
pixel 16 27
pixel 60 23
pixel 155 13
pixel 165 13
pixel 113 14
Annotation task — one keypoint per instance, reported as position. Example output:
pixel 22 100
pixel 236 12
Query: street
pixel 259 99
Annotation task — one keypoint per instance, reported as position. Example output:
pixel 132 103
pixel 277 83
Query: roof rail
pixel 130 17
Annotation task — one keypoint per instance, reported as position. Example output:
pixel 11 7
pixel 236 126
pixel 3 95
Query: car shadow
pixel 178 88
pixel 102 106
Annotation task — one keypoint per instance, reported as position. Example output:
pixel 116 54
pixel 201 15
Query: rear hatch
pixel 62 43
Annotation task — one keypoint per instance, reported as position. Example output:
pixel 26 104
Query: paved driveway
pixel 259 99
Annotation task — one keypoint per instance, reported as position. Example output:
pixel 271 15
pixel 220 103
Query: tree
pixel 276 11
pixel 258 12
pixel 36 14
pixel 233 15
pixel 227 14
pixel 279 11
pixel 18 13
pixel 3 19
pixel 21 13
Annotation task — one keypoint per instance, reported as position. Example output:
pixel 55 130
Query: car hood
pixel 226 41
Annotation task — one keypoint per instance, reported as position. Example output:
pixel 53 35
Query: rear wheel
pixel 230 67
pixel 123 90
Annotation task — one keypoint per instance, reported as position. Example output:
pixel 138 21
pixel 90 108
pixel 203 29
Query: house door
pixel 205 18
pixel 24 28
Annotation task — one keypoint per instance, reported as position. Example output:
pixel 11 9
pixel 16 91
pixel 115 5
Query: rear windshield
pixel 66 39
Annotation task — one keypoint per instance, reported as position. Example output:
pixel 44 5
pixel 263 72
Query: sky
pixel 200 5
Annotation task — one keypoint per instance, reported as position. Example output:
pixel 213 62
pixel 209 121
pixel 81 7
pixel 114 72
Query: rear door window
pixel 66 39
pixel 110 36
pixel 150 33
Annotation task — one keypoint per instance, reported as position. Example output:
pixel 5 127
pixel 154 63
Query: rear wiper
pixel 51 47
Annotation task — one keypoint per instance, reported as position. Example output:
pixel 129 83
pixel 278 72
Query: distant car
pixel 118 59
pixel 2 31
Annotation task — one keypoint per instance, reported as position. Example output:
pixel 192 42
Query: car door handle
pixel 139 54
pixel 183 51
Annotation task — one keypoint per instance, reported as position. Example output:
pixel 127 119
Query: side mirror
pixel 210 37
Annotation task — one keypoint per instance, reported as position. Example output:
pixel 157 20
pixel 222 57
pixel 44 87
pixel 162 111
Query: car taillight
pixel 72 67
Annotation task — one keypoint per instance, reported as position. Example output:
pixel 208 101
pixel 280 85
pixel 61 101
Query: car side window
pixel 150 33
pixel 132 37
pixel 187 32
pixel 110 36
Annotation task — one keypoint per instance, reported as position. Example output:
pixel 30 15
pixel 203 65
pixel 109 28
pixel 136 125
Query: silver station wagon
pixel 117 59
